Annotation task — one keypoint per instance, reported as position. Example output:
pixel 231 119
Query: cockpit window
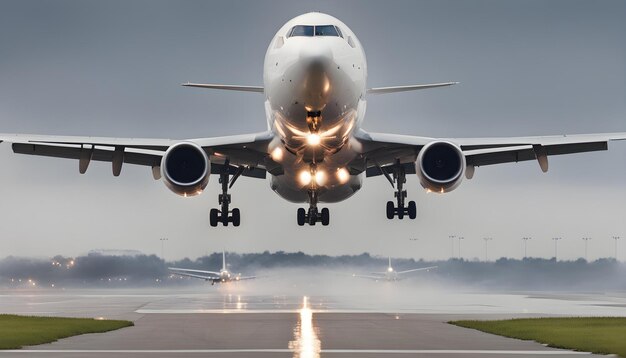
pixel 320 30
pixel 339 32
pixel 326 30
pixel 301 30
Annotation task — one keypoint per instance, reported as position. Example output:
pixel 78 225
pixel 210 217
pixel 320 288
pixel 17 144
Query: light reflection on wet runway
pixel 306 344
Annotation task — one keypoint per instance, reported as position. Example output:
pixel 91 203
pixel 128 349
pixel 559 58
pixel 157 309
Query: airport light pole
pixel 163 239
pixel 616 238
pixel 451 237
pixel 556 241
pixel 460 238
pixel 525 240
pixel 487 239
pixel 586 240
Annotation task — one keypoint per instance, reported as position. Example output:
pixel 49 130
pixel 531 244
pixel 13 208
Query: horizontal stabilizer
pixel 394 89
pixel 225 87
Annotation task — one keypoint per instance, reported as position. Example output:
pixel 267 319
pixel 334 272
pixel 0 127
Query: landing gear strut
pixel 399 177
pixel 223 215
pixel 313 215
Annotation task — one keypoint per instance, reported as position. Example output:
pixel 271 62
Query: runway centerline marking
pixel 328 351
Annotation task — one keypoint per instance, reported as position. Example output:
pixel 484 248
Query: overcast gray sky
pixel 113 68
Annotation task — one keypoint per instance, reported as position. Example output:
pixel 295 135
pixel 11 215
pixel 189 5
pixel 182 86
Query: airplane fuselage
pixel 315 99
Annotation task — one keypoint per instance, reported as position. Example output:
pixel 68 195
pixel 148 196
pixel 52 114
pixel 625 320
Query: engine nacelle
pixel 440 166
pixel 185 169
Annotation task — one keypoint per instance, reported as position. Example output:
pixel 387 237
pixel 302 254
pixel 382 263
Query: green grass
pixel 603 335
pixel 19 331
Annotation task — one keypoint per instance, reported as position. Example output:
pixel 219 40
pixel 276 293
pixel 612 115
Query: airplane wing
pixel 381 149
pixel 373 277
pixel 241 278
pixel 191 270
pixel 418 269
pixel 225 87
pixel 395 89
pixel 203 277
pixel 246 153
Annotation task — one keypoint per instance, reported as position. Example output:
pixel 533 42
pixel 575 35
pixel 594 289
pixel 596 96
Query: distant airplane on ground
pixel 222 276
pixel 314 148
pixel 392 275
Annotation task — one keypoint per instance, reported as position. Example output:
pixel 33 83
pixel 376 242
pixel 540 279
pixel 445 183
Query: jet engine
pixel 185 169
pixel 440 166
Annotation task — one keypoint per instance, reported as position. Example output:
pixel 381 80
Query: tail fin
pixel 389 261
pixel 224 259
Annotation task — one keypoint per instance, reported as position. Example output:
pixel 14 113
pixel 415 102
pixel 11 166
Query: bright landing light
pixel 320 178
pixel 305 177
pixel 313 139
pixel 277 154
pixel 343 175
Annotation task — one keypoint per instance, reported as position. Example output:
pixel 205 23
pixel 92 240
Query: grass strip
pixel 602 335
pixel 19 331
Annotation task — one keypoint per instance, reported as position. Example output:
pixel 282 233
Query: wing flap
pixel 74 152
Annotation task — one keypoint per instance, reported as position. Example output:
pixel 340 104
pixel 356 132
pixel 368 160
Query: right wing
pixel 225 87
pixel 368 276
pixel 246 154
pixel 177 270
pixel 203 277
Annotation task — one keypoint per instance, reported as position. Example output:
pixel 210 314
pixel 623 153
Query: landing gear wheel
pixel 325 216
pixel 224 215
pixel 236 217
pixel 213 217
pixel 396 175
pixel 301 216
pixel 412 210
pixel 391 210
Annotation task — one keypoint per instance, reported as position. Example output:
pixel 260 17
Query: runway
pixel 225 323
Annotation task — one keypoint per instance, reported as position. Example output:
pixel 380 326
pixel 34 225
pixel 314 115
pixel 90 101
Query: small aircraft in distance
pixel 390 274
pixel 223 276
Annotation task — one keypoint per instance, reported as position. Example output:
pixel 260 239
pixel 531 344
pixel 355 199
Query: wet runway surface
pixel 230 323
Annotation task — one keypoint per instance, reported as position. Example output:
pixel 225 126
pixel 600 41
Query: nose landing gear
pixel 313 215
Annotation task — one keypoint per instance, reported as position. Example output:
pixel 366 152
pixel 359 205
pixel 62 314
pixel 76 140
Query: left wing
pixel 395 89
pixel 241 278
pixel 380 149
pixel 246 153
pixel 418 269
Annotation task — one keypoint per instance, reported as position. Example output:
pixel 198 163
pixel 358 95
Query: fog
pixel 297 273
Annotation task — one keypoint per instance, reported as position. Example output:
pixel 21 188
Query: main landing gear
pixel 313 215
pixel 399 177
pixel 223 215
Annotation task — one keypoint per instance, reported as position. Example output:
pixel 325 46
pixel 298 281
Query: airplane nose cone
pixel 317 66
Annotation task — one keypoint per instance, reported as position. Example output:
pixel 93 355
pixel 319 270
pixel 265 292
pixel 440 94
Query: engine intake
pixel 440 166
pixel 185 169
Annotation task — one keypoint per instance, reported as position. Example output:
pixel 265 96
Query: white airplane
pixel 223 276
pixel 392 275
pixel 314 148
